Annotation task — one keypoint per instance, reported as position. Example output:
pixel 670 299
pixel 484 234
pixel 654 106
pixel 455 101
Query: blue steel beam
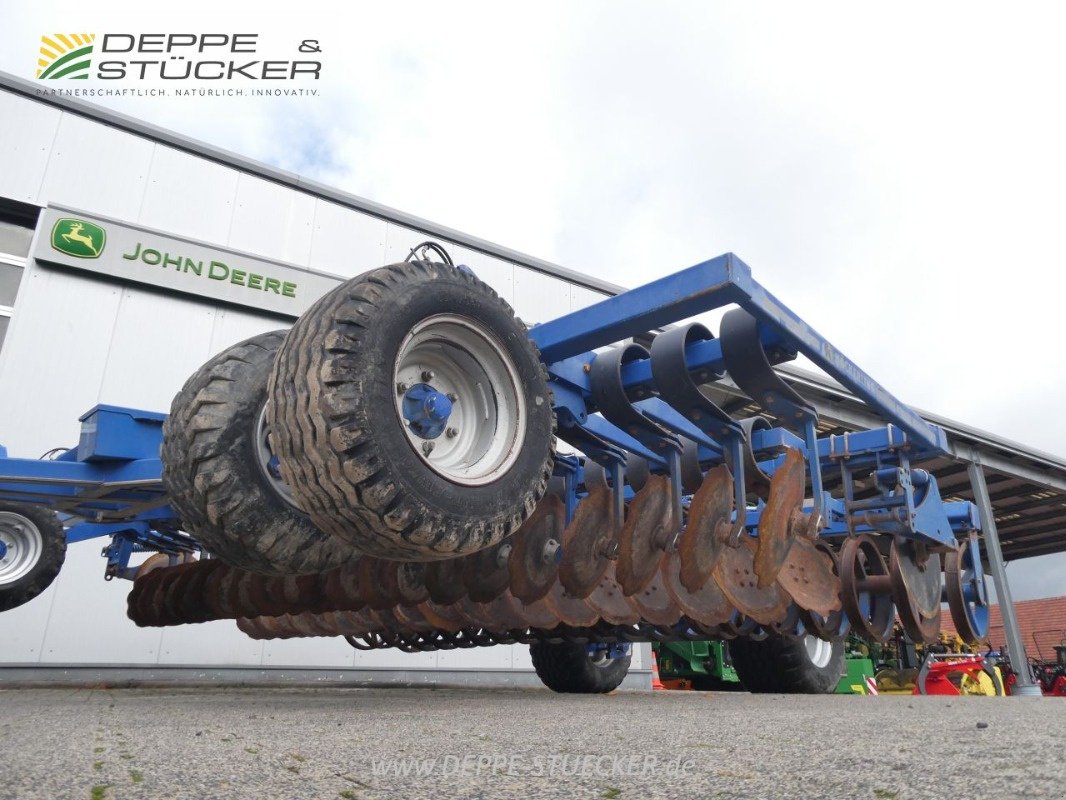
pixel 565 342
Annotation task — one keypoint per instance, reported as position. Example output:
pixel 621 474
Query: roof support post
pixel 1015 646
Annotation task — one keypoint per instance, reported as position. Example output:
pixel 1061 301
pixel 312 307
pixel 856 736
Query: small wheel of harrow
pixel 967 596
pixel 866 589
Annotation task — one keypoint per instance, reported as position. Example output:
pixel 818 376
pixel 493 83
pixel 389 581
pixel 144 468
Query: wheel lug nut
pixel 451 433
pixel 401 388
pixel 427 375
pixel 427 447
pixel 452 396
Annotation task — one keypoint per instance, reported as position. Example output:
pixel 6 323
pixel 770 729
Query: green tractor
pixel 775 664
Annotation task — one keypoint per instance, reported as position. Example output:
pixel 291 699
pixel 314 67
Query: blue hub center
pixel 3 549
pixel 426 410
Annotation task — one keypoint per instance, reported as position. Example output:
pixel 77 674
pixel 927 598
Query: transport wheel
pixel 222 478
pixel 788 664
pixel 33 546
pixel 412 415
pixel 570 668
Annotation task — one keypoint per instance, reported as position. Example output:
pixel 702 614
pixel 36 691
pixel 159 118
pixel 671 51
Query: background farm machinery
pixel 386 471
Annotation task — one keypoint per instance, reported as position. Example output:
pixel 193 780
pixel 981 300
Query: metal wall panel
pixel 233 326
pixel 539 297
pixel 88 622
pixel 580 297
pixel 53 358
pixel 272 221
pixel 98 168
pixel 188 196
pixel 313 651
pixel 157 342
pixel 27 130
pixel 215 643
pixel 346 242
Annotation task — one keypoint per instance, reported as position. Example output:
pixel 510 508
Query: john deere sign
pixel 78 238
pixel 131 253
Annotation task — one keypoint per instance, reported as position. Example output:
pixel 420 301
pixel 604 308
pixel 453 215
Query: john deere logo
pixel 78 238
pixel 65 55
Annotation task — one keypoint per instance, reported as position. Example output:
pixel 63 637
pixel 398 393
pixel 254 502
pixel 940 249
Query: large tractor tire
pixel 221 476
pixel 412 415
pixel 33 546
pixel 788 664
pixel 569 668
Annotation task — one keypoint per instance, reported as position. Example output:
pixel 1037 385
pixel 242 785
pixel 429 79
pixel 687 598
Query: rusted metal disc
pixel 343 588
pixel 536 550
pixel 655 604
pixel 918 581
pixel 910 586
pixel 378 580
pixel 835 624
pixel 966 594
pixel 264 595
pixel 411 583
pixel 505 613
pixel 775 523
pixel 648 529
pixel 479 614
pixel 573 611
pixel 584 560
pixel 351 623
pixel 444 581
pixel 141 605
pixel 610 603
pixel 486 573
pixel 702 539
pixel 411 618
pixel 443 617
pixel 540 614
pixel 734 573
pixel 216 592
pixel 865 589
pixel 807 575
pixel 706 606
pixel 153 562
pixel 250 627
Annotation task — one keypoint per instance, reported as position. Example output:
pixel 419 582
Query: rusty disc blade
pixel 351 623
pixel 342 588
pixel 787 488
pixel 807 575
pixel 835 624
pixel 444 581
pixel 707 605
pixel 505 611
pixel 540 614
pixel 735 575
pixel 534 562
pixel 584 562
pixel 478 613
pixel 911 585
pixel 411 583
pixel 610 602
pixel 920 582
pixel 573 611
pixel 867 603
pixel 485 573
pixel 444 617
pixel 140 604
pixel 649 526
pixel 412 618
pixel 216 592
pixel 700 543
pixel 655 604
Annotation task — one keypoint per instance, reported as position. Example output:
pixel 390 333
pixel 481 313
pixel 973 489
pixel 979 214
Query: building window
pixel 17 221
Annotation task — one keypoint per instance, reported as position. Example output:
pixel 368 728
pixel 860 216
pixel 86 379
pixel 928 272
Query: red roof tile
pixel 1042 623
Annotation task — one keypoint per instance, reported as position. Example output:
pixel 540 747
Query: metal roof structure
pixel 1027 486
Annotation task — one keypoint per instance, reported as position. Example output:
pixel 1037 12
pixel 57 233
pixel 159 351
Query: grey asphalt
pixel 265 743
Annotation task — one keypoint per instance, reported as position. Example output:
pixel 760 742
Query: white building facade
pixel 72 337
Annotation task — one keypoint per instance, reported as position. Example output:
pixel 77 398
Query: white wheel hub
pixel 463 360
pixel 21 544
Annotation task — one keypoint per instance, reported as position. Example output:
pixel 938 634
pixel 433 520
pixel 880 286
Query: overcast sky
pixel 897 179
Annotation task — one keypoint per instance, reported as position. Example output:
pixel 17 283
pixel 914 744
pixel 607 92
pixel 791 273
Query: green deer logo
pixel 78 238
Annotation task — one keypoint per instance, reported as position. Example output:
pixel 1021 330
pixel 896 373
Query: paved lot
pixel 330 742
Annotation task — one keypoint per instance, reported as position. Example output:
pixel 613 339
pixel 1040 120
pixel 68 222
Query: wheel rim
pixel 819 651
pixel 268 462
pixel 461 359
pixel 21 545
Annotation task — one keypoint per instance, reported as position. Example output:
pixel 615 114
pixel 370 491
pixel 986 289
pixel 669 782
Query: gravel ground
pixel 263 743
